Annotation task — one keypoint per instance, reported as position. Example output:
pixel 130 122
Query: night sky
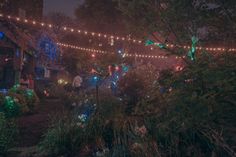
pixel 64 6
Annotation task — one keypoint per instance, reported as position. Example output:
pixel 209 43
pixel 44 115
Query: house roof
pixel 17 36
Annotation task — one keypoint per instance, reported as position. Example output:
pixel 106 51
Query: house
pixel 16 54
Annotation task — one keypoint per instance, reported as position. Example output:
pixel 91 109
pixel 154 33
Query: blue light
pixel 47 46
pixel 2 35
pixel 114 83
pixel 17 53
pixel 95 78
pixel 125 68
pixel 3 91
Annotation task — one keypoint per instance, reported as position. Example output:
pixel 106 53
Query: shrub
pixel 199 117
pixel 64 137
pixel 21 101
pixel 25 98
pixel 8 132
pixel 10 108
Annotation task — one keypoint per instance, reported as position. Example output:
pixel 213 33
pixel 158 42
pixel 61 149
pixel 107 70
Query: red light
pixel 93 55
pixel 45 92
pixel 117 68
pixel 178 68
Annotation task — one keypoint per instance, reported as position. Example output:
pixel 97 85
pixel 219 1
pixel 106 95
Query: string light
pixel 112 36
pixel 106 52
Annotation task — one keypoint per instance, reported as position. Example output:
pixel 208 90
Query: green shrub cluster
pixel 18 101
pixel 64 137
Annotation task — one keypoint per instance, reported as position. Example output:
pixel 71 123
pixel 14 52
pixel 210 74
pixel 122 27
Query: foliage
pixel 10 108
pixel 198 119
pixel 8 131
pixel 25 98
pixel 136 84
pixel 91 11
pixel 182 19
pixel 194 116
pixel 64 137
pixel 18 101
pixel 21 101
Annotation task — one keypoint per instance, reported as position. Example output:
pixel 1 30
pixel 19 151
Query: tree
pixel 101 15
pixel 183 19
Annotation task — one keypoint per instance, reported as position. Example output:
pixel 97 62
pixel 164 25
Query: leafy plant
pixel 64 137
pixel 10 108
pixel 8 132
pixel 199 115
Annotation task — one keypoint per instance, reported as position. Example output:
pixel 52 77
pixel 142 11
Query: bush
pixel 8 132
pixel 10 108
pixel 64 137
pixel 199 117
pixel 21 101
pixel 26 99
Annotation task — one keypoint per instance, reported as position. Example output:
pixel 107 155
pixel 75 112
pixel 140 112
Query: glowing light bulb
pixel 117 68
pixel 34 22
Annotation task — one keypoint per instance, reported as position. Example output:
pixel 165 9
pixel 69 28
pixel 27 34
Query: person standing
pixel 77 82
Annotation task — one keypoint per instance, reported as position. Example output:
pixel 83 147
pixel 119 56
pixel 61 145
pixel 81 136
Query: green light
pixel 161 46
pixel 150 42
pixel 11 109
pixel 30 93
pixel 192 51
pixel 15 87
